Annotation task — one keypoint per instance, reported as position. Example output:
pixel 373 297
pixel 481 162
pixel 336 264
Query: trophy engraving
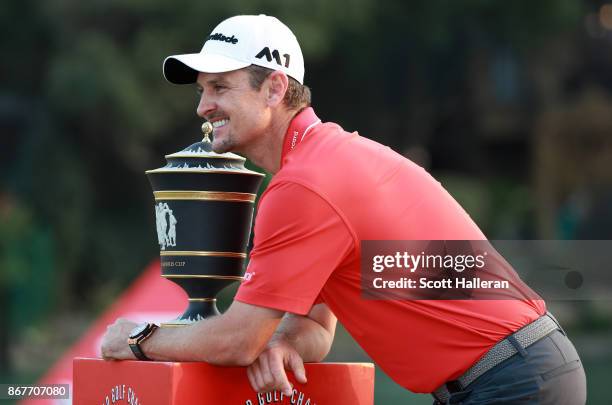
pixel 166 225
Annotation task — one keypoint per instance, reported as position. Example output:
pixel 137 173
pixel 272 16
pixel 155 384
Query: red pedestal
pixel 100 382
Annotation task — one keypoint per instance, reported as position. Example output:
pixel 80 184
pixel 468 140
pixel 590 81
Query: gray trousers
pixel 547 372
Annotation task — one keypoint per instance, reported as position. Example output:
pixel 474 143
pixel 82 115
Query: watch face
pixel 138 330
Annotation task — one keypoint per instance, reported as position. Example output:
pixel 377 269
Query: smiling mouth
pixel 219 123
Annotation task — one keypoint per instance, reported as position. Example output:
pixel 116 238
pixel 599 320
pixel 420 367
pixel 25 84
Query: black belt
pixel 503 350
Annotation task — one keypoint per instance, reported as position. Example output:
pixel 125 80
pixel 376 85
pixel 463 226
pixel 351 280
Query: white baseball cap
pixel 239 42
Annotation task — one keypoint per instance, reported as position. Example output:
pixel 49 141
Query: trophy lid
pixel 200 157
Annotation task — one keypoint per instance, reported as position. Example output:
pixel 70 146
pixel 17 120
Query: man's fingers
pixel 277 369
pixel 296 364
pixel 252 379
pixel 266 373
pixel 256 369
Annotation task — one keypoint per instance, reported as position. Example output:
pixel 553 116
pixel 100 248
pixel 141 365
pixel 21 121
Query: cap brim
pixel 184 69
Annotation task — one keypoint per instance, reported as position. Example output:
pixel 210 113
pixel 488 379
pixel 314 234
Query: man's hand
pixel 114 343
pixel 267 373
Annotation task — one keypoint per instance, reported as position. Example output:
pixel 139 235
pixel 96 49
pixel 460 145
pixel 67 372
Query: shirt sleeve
pixel 299 241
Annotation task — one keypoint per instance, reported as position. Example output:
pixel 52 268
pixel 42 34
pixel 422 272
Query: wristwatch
pixel 138 335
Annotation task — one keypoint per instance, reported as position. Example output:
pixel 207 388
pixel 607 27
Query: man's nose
pixel 205 106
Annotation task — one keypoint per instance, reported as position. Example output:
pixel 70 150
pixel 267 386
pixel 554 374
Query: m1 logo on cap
pixel 220 37
pixel 274 54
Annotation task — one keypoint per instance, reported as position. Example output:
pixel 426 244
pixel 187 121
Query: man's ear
pixel 276 87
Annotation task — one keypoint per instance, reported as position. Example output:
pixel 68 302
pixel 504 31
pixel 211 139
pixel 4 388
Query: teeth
pixel 219 123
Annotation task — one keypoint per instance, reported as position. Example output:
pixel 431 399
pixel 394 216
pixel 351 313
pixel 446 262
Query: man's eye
pixel 219 87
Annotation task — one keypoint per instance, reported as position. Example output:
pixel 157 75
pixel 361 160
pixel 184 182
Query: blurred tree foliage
pixel 84 109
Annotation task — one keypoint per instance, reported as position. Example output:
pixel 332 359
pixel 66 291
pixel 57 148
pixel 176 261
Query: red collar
pixel 298 129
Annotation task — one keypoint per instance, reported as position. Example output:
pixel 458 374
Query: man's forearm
pixel 308 337
pixel 232 339
pixel 199 342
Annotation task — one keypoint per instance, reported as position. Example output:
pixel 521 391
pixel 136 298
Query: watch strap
pixel 138 352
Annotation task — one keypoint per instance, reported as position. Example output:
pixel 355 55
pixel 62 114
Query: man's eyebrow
pixel 215 81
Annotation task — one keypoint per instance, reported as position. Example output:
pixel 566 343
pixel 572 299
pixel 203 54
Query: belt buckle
pixel 442 394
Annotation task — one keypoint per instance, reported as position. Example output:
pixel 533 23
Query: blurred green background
pixel 508 104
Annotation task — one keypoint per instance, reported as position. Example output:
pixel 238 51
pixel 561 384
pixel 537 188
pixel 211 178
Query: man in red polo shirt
pixel 332 190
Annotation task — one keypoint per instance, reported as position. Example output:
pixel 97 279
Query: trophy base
pixel 175 323
pixel 197 311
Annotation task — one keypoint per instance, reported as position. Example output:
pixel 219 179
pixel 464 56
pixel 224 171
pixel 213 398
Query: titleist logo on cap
pixel 220 37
